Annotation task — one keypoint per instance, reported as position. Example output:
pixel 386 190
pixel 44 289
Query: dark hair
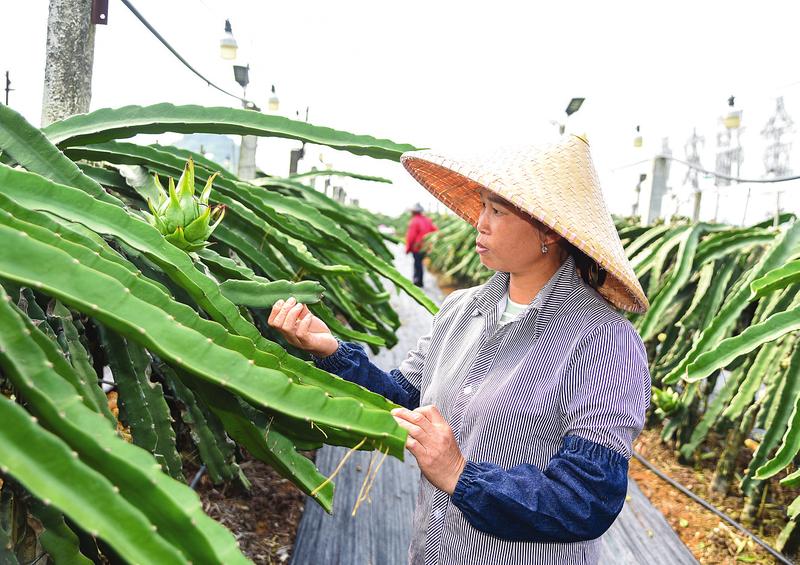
pixel 593 274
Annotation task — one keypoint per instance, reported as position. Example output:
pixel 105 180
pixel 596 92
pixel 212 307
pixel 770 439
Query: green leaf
pixel 37 193
pixel 45 466
pixel 142 404
pixel 109 124
pixel 31 149
pixel 783 247
pixel 729 349
pixel 653 321
pixel 114 304
pixel 790 444
pixel 777 278
pixel 216 450
pixel 326 173
pixel 778 400
pixel 27 354
pixel 57 539
pixel 263 294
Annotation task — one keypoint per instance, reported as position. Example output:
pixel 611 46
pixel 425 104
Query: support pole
pixel 247 157
pixel 69 60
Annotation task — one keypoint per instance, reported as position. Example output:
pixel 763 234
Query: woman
pixel 523 401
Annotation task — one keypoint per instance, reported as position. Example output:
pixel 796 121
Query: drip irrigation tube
pixel 199 475
pixel 708 506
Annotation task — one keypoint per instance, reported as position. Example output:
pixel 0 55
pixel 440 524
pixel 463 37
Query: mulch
pixel 263 520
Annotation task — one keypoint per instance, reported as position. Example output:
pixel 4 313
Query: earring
pixel 544 249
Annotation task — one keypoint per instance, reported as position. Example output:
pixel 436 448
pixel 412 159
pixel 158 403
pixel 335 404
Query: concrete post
pixel 658 186
pixel 247 157
pixel 69 60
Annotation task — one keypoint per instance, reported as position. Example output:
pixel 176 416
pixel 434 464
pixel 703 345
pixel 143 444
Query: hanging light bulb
pixel 273 102
pixel 637 139
pixel 227 45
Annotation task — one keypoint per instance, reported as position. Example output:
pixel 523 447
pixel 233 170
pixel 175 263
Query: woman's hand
pixel 301 328
pixel 431 441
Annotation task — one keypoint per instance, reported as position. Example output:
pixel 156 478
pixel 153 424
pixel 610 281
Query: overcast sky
pixel 449 74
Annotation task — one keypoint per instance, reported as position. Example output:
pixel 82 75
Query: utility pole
pixel 638 190
pixel 69 60
pixel 658 185
pixel 693 157
pixel 727 152
pixel 778 151
pixel 776 155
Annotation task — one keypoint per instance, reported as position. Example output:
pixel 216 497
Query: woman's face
pixel 507 239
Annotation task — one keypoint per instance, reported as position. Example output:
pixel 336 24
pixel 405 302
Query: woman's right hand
pixel 301 328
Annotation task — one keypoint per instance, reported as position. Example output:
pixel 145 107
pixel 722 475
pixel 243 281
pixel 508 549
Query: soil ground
pixel 711 540
pixel 264 520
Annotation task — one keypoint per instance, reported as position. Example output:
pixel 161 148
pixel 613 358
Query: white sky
pixel 456 74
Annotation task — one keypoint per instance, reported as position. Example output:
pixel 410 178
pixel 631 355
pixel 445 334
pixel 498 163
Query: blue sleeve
pixel 576 498
pixel 350 362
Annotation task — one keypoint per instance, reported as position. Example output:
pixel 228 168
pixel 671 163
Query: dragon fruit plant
pixel 184 219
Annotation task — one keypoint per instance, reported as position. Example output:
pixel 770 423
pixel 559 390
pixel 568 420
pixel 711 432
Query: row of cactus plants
pixel 105 275
pixel 722 336
pixel 451 253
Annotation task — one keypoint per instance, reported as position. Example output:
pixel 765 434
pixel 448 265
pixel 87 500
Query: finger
pixel 302 327
pixel 414 417
pixel 277 319
pixel 413 430
pixel 416 448
pixel 432 414
pixel 288 305
pixel 289 323
pixel 276 308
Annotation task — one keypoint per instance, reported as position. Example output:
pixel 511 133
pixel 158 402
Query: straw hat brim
pixel 556 184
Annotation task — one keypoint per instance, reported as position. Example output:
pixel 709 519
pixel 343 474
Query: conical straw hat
pixel 557 184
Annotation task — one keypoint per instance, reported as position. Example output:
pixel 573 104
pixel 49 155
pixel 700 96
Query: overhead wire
pixel 706 171
pixel 172 50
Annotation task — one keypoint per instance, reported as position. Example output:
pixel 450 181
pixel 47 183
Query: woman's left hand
pixel 431 441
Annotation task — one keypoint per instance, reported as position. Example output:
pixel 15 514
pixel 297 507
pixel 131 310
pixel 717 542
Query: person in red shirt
pixel 419 226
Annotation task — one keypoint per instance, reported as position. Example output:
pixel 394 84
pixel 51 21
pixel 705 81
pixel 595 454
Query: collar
pixel 550 299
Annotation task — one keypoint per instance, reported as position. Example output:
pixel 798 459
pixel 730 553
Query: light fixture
pixel 227 45
pixel 733 119
pixel 273 103
pixel 637 139
pixel 574 105
pixel 242 75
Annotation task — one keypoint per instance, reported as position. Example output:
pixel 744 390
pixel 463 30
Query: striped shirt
pixel 568 373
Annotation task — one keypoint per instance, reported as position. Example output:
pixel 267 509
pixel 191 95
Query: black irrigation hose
pixel 708 506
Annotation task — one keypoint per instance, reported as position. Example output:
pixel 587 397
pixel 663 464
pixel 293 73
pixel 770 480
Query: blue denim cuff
pixel 575 498
pixel 337 361
pixel 471 470
pixel 592 450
